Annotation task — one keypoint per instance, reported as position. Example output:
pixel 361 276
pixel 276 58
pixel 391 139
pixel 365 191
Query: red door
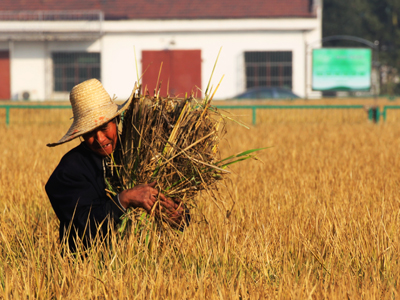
pixel 180 72
pixel 4 75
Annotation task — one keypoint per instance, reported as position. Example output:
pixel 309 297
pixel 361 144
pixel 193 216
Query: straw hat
pixel 92 107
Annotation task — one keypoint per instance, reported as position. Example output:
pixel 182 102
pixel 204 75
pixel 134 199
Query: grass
pixel 319 218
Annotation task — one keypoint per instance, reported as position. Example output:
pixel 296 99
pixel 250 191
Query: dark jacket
pixel 76 190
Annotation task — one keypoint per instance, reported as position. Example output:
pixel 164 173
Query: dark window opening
pixel 268 68
pixel 71 68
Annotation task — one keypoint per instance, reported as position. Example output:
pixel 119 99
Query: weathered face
pixel 102 140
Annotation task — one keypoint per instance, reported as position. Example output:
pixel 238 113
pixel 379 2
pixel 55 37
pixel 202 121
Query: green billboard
pixel 336 69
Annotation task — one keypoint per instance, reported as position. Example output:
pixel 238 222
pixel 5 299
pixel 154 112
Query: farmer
pixel 76 188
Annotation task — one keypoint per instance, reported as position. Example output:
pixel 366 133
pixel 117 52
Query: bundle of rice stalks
pixel 173 141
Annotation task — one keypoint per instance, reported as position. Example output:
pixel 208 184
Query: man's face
pixel 102 140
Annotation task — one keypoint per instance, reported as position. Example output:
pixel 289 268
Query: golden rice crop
pixel 318 219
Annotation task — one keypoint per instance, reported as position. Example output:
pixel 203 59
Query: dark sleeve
pixel 77 197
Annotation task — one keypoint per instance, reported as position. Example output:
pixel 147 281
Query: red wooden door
pixel 180 73
pixel 4 75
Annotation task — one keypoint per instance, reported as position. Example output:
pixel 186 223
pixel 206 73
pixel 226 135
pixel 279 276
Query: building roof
pixel 172 9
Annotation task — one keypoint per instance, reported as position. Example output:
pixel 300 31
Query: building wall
pixel 27 69
pixel 234 36
pixel 120 75
pixel 31 67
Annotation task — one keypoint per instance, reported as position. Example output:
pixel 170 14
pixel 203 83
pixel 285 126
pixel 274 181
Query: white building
pixel 46 50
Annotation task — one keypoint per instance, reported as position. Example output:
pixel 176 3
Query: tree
pixel 372 20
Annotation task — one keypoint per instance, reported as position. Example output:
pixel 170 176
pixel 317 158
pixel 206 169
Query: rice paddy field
pixel 318 216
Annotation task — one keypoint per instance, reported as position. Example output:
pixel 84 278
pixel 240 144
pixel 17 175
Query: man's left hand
pixel 173 211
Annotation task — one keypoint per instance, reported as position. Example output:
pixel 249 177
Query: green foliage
pixel 373 20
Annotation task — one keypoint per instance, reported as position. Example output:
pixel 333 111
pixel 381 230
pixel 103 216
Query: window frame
pixel 268 69
pixel 74 63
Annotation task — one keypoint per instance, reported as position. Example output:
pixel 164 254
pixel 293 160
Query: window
pixel 267 68
pixel 71 68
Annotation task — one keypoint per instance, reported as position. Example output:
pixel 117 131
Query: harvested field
pixel 319 218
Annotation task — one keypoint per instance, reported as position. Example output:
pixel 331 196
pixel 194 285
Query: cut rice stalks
pixel 173 141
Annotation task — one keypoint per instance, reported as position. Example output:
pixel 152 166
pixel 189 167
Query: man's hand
pixel 143 195
pixel 174 212
pixel 146 196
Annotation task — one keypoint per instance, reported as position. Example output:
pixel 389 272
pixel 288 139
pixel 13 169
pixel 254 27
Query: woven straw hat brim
pixel 84 125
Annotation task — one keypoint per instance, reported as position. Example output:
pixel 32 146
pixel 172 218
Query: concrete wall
pixel 120 75
pixel 234 36
pixel 27 69
pixel 31 66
